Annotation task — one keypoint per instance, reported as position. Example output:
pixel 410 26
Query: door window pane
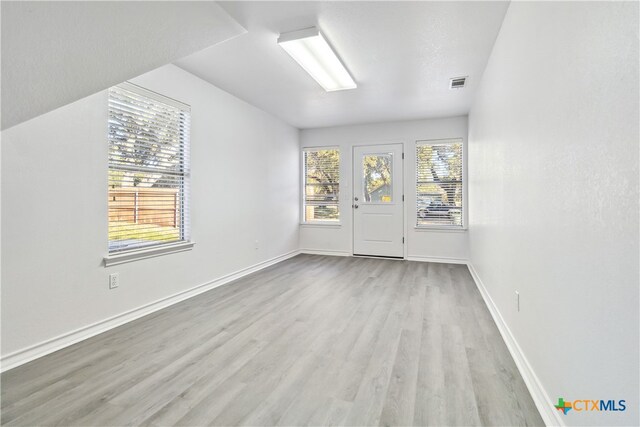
pixel 376 178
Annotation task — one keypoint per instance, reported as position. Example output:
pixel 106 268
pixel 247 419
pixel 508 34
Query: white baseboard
pixel 324 252
pixel 33 352
pixel 436 259
pixel 544 403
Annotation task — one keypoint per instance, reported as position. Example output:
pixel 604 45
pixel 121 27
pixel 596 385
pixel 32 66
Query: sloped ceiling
pixel 401 54
pixel 55 53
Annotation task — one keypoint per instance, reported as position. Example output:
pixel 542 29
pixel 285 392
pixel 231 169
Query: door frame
pixel 404 192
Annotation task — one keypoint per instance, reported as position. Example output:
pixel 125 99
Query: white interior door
pixel 378 226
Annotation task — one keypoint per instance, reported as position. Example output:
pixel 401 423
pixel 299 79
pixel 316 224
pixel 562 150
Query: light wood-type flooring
pixel 314 340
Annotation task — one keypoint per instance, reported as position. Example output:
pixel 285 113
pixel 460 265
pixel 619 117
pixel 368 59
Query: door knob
pixel 355 198
pixel 355 206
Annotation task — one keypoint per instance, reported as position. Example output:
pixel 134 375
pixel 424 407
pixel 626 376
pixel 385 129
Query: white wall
pixel 441 244
pixel 245 187
pixel 553 187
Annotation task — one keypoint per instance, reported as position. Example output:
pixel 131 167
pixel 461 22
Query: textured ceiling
pixel 54 53
pixel 401 54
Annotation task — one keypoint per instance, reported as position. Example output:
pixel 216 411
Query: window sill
pixel 135 255
pixel 321 224
pixel 440 229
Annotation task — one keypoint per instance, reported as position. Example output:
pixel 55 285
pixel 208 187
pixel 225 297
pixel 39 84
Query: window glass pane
pixel 148 169
pixel 439 184
pixel 322 185
pixel 144 209
pixel 376 178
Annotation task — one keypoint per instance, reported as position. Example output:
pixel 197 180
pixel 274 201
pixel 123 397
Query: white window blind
pixel 439 184
pixel 321 185
pixel 148 169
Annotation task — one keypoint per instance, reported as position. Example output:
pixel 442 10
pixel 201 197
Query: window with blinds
pixel 321 185
pixel 148 169
pixel 439 188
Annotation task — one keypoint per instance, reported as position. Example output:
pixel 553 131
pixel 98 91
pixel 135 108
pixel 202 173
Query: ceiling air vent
pixel 457 82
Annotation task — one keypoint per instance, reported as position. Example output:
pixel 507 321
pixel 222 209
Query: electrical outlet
pixel 114 280
pixel 256 245
pixel 518 300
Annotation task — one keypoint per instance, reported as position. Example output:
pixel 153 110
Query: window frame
pixel 119 256
pixel 464 218
pixel 319 222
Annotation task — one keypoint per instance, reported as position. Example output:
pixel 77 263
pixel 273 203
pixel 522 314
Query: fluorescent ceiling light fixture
pixel 311 50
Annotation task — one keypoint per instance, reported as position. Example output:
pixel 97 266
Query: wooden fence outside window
pixel 159 206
